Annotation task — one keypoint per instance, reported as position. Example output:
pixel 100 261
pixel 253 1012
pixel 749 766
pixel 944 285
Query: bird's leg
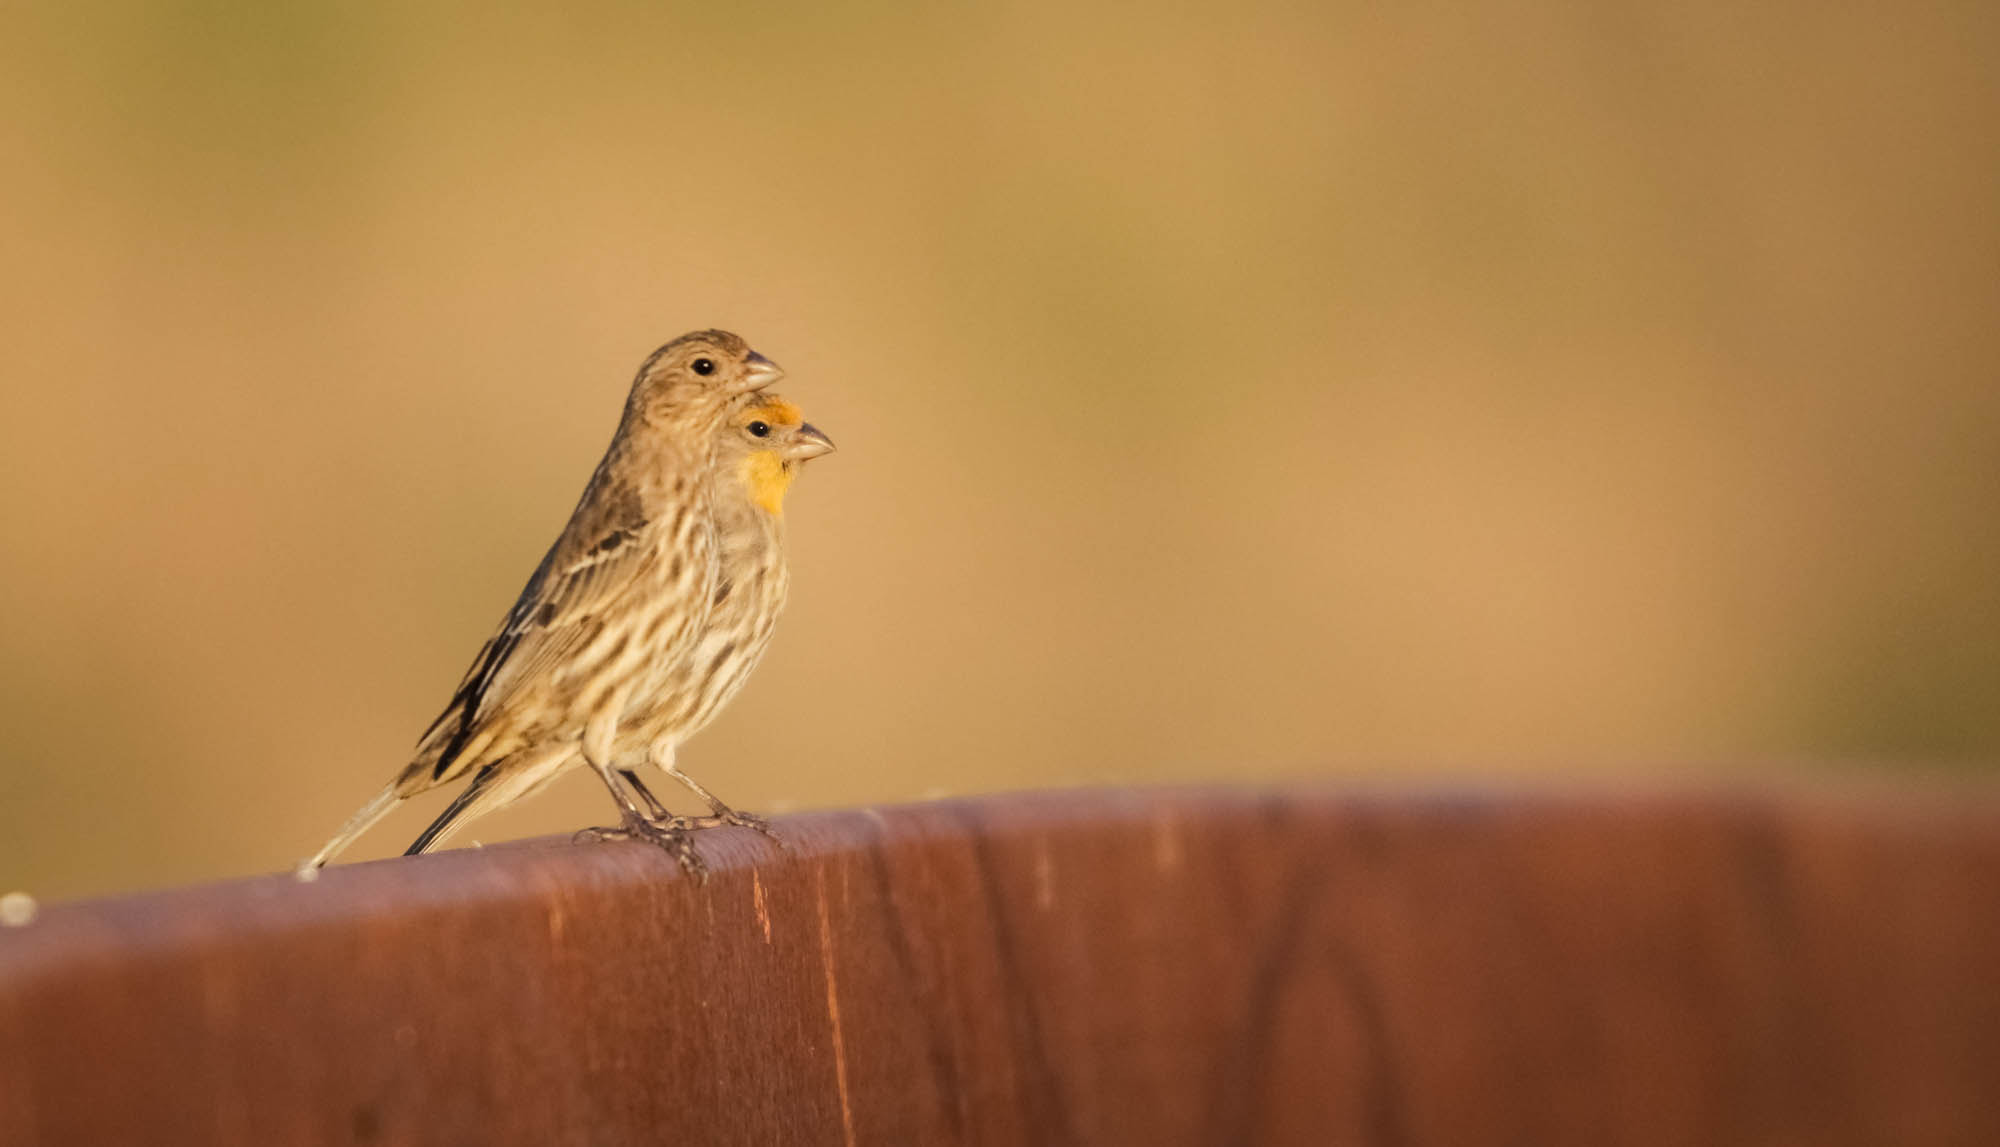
pixel 658 811
pixel 663 756
pixel 671 833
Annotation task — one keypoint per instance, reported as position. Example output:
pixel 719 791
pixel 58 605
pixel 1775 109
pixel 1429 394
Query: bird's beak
pixel 758 373
pixel 811 443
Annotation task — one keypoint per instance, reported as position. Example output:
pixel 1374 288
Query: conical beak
pixel 758 373
pixel 811 443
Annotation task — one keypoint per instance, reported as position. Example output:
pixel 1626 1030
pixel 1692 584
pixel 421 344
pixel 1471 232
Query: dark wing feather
pixel 458 721
pixel 559 610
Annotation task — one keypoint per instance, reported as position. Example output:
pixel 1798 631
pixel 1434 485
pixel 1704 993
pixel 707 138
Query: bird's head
pixel 689 384
pixel 764 443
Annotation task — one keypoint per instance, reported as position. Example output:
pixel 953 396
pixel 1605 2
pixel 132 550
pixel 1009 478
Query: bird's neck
pixel 766 477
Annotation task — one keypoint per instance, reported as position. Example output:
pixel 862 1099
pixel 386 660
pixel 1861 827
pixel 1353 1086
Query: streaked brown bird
pixel 609 621
pixel 761 449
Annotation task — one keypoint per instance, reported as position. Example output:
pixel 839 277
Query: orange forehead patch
pixel 773 410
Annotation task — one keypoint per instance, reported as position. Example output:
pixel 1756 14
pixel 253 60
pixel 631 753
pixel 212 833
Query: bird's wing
pixel 582 580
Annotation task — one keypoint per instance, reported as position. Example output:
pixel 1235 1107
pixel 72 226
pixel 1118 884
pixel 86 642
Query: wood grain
pixel 1183 967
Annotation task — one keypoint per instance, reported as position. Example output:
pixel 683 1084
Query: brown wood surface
pixel 1211 967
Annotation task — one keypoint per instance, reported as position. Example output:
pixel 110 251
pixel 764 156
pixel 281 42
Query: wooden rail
pixel 1197 967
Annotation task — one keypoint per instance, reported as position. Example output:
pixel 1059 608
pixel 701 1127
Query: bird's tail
pixel 360 822
pixel 496 785
pixel 454 813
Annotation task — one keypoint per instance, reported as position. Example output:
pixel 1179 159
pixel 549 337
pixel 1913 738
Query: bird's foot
pixel 729 817
pixel 675 834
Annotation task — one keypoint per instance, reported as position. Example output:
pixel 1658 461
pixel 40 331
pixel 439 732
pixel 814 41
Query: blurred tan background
pixel 1223 392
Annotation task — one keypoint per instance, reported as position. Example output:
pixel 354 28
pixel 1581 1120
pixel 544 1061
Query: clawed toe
pixel 747 820
pixel 730 818
pixel 675 834
pixel 631 827
pixel 751 820
pixel 682 846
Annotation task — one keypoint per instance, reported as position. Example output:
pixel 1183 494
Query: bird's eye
pixel 759 429
pixel 704 366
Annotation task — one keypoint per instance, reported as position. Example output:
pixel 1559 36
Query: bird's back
pixel 628 586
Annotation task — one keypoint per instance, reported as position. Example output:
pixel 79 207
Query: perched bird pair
pixel 643 619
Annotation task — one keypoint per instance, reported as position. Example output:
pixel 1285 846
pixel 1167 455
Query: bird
pixel 760 452
pixel 613 613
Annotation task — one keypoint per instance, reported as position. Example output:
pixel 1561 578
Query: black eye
pixel 704 366
pixel 759 429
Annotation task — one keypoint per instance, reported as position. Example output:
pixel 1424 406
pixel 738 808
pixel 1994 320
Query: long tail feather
pixel 360 822
pixel 496 786
pixel 450 820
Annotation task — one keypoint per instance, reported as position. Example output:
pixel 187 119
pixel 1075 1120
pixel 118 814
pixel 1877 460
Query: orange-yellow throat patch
pixel 767 476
